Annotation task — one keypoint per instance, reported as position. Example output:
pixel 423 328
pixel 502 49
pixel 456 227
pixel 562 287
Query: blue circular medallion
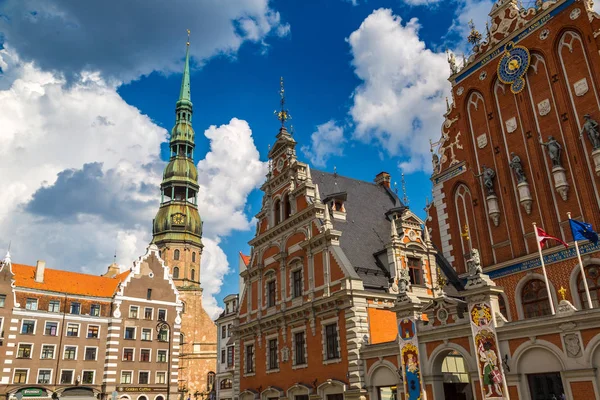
pixel 513 66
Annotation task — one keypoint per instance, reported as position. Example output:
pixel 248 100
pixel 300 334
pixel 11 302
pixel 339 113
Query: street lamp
pixel 161 326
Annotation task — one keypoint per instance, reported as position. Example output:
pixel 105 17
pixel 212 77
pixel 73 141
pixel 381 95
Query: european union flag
pixel 583 231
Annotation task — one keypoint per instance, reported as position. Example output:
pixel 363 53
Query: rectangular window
pixel 331 342
pixel 149 294
pixel 90 353
pixel 144 378
pixel 75 308
pixel 95 310
pixel 2 300
pixel 44 376
pixel 20 376
pixel 299 352
pixel 148 311
pixel 24 351
pixel 54 306
pixel 66 377
pixel 126 376
pixel 47 352
pixel 229 330
pixel 414 270
pixel 127 354
pixel 273 364
pixel 88 377
pixel 70 353
pixel 271 294
pixel 72 330
pixel 297 282
pixel 223 332
pixel 162 314
pixel 51 329
pixel 161 356
pixel 146 334
pixel 28 327
pixel 133 312
pixel 161 377
pixel 223 356
pixel 130 333
pixel 31 304
pixel 163 335
pixel 93 332
pixel 230 356
pixel 145 355
pixel 303 397
pixel 249 359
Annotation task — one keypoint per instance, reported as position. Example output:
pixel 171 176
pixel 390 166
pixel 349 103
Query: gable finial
pixel 404 196
pixel 282 115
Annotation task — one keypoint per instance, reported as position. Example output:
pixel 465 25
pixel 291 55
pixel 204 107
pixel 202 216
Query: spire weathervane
pixel 284 114
pixel 188 41
pixel 404 196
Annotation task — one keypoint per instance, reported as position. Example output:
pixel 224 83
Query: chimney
pixel 383 179
pixel 112 271
pixel 39 271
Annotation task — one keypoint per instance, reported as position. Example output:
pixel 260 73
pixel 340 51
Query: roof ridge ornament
pixel 282 115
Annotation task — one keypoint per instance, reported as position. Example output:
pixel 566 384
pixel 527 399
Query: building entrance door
pixel 457 385
pixel 546 386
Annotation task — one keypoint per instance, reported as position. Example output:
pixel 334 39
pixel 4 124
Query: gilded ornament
pixel 513 66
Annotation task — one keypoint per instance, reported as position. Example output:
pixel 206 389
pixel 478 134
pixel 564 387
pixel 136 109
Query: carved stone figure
pixel 554 150
pixel 452 62
pixel 474 263
pixel 488 175
pixel 591 127
pixel 435 159
pixel 515 164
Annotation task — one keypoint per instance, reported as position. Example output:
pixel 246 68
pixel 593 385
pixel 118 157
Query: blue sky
pixel 91 93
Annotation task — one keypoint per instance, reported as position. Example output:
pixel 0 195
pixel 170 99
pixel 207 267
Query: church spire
pixel 185 94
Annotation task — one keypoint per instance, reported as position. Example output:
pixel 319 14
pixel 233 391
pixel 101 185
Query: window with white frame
pixel 223 356
pixel 66 376
pixel 91 353
pixel 126 376
pixel 133 312
pixel 146 334
pixel 129 333
pixel 128 354
pixel 72 329
pixel 20 376
pixel 144 377
pixel 297 283
pixel 44 376
pixel 93 332
pixel 161 356
pixel 24 350
pixel 51 328
pixel 145 355
pixel 162 314
pixel 54 306
pixel 70 353
pixel 75 308
pixel 161 377
pixel 87 377
pixel 299 348
pixel 2 300
pixel 95 310
pixel 47 351
pixel 28 327
pixel 249 359
pixel 331 342
pixel 31 304
pixel 271 293
pixel 148 313
pixel 272 359
pixel 230 356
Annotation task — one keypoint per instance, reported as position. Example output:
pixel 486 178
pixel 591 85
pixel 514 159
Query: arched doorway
pixel 542 370
pixel 385 382
pixel 452 375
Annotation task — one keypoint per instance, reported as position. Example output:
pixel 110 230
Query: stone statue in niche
pixel 435 159
pixel 554 150
pixel 474 263
pixel 452 62
pixel 591 128
pixel 488 175
pixel 515 164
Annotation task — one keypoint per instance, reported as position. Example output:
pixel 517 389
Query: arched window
pixel 210 380
pixel 502 306
pixel 225 383
pixel 415 270
pixel 194 257
pixel 287 207
pixel 592 274
pixel 176 273
pixel 193 274
pixel 176 255
pixel 534 298
pixel 277 212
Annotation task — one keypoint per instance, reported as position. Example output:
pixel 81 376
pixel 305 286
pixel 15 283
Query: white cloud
pixel 328 140
pixel 401 101
pixel 81 171
pixel 126 39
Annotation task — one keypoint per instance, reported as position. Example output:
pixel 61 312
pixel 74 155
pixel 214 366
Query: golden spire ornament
pixel 284 114
pixel 563 293
pixel 465 233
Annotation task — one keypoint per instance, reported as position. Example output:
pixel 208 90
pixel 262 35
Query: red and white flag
pixel 542 237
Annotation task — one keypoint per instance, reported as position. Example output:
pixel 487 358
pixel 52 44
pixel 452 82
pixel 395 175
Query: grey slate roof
pixel 366 229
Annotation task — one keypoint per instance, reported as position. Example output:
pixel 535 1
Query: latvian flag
pixel 542 237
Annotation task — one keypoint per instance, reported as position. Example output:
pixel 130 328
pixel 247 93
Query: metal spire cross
pixel 282 115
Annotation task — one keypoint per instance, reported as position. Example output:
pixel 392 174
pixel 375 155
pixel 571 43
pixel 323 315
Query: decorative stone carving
pixel 560 181
pixel 596 158
pixel 544 34
pixel 511 125
pixel 460 90
pixel 493 209
pixel 442 315
pixel 452 63
pixel 482 75
pixel 474 263
pixel 572 344
pixel 554 150
pixel 451 146
pixel 435 161
pixel 488 175
pixel 285 354
pixel 581 87
pixel 476 277
pixel 575 13
pixel 590 126
pixel 544 107
pixel 482 141
pixel 565 308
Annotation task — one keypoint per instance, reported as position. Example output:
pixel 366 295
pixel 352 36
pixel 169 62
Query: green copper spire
pixel 178 220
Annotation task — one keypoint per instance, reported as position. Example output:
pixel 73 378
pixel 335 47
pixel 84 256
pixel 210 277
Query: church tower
pixel 177 231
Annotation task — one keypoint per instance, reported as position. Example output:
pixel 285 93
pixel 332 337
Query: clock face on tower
pixel 513 66
pixel 178 219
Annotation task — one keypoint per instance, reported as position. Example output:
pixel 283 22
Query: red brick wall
pixel 582 390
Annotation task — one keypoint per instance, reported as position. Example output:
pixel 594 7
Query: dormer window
pixel 337 204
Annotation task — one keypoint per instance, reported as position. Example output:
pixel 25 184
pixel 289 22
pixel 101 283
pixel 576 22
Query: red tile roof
pixel 245 258
pixel 67 282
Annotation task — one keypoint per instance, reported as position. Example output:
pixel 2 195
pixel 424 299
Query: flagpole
pixel 544 269
pixel 585 284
